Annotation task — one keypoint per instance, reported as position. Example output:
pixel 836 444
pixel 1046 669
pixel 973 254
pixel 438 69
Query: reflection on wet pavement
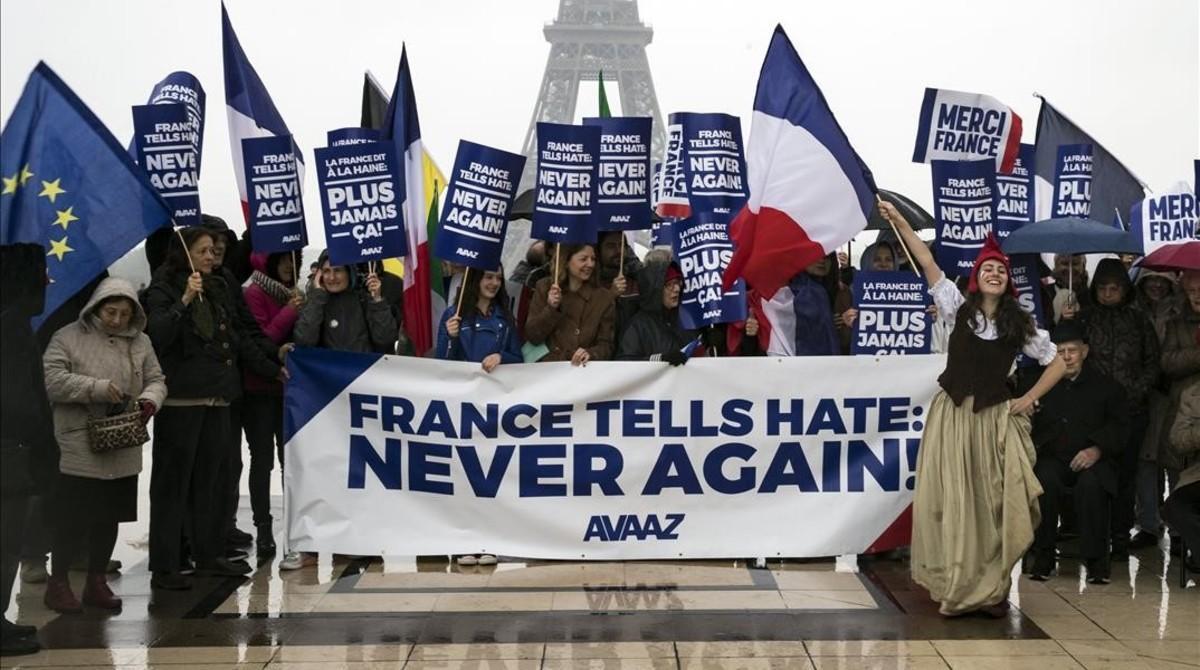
pixel 402 612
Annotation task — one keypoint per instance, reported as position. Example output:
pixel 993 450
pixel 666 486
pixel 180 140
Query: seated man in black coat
pixel 1079 431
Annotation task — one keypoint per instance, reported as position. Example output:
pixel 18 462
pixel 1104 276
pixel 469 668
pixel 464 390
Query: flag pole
pixel 912 264
pixel 462 290
pixel 295 272
pixel 621 267
pixel 187 255
pixel 557 247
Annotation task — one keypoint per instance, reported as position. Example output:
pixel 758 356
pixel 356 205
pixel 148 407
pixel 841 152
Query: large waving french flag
pixel 251 111
pixel 402 125
pixel 810 193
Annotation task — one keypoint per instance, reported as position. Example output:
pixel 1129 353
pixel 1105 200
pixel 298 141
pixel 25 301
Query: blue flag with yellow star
pixel 69 185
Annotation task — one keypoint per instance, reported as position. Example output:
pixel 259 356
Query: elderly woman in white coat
pixel 100 360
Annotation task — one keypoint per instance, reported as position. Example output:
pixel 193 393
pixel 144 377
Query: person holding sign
pixel 571 315
pixel 479 327
pixel 654 333
pixel 193 324
pixel 975 506
pixel 346 314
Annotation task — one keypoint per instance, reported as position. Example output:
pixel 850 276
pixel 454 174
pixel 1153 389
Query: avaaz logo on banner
pixel 623 174
pixel 478 201
pixel 964 206
pixel 276 208
pixel 892 317
pixel 359 198
pixel 564 204
pixel 165 139
pixel 702 248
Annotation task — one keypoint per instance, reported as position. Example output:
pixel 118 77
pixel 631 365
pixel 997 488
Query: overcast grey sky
pixel 1128 71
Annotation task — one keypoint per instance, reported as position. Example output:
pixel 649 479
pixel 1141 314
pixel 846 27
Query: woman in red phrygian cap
pixel 975 507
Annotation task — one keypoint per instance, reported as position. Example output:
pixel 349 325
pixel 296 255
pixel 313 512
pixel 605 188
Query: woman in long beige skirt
pixel 975 506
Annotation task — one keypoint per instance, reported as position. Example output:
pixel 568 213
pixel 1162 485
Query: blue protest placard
pixel 623 174
pixel 185 89
pixel 475 217
pixel 273 194
pixel 672 201
pixel 964 208
pixel 360 200
pixel 344 136
pixel 714 162
pixel 1168 217
pixel 891 313
pixel 165 141
pixel 1014 194
pixel 1028 282
pixel 702 248
pixel 1073 181
pixel 565 201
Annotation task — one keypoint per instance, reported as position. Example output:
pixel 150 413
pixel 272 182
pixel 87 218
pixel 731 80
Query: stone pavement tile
pixel 829 600
pixel 476 651
pixel 1168 650
pixel 752 663
pixel 879 663
pixel 475 664
pixel 869 648
pixel 593 650
pixel 1013 663
pixel 737 649
pixel 494 602
pixel 376 602
pixel 816 580
pixel 1071 627
pixel 609 664
pixel 998 648
pixel 296 653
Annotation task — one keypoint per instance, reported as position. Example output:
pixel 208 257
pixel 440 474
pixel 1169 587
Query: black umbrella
pixel 916 215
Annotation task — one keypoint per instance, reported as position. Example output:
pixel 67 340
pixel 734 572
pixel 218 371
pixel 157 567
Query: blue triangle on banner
pixel 317 377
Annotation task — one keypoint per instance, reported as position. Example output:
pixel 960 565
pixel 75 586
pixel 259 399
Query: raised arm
pixel 914 244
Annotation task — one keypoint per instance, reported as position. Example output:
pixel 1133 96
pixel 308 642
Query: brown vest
pixel 977 367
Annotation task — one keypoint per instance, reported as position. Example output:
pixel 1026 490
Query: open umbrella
pixel 1069 235
pixel 916 216
pixel 1183 256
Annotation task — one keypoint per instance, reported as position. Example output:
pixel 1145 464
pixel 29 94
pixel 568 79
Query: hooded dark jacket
pixel 1122 341
pixel 654 329
pixel 28 451
pixel 346 321
pixel 201 345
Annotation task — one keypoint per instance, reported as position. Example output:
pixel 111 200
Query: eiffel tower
pixel 587 37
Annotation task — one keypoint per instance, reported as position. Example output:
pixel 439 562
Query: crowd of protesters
pixel 1112 405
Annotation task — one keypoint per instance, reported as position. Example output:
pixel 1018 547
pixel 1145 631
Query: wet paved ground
pixel 399 612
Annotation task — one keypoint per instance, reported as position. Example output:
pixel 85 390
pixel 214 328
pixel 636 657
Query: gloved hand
pixel 147 409
pixel 675 358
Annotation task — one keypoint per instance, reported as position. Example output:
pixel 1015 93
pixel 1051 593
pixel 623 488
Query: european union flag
pixel 70 186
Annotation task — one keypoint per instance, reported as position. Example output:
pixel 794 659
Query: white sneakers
pixel 295 560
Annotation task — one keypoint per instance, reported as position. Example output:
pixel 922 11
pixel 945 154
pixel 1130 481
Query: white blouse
pixel 948 299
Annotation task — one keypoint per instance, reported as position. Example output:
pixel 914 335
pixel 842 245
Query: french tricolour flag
pixel 251 112
pixel 402 125
pixel 810 193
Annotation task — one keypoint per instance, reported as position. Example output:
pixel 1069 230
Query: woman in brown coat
pixel 571 314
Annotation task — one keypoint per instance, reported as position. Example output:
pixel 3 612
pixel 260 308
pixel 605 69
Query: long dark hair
pixel 1013 325
pixel 470 296
pixel 177 259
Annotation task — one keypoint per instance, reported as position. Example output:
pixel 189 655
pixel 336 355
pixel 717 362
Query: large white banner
pixel 728 457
